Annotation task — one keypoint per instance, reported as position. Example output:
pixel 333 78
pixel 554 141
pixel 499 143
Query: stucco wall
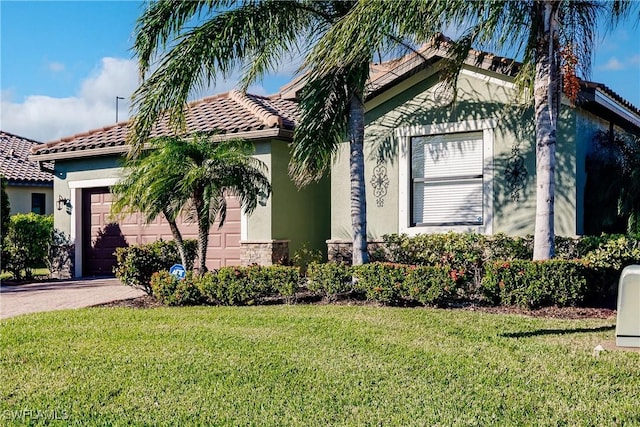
pixel 482 97
pixel 20 198
pixel 259 222
pixel 301 216
pixel 80 170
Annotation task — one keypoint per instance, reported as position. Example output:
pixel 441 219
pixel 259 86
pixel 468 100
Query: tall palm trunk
pixel 547 102
pixel 356 173
pixel 177 237
pixel 202 214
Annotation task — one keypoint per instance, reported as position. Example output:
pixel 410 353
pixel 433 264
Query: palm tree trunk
pixel 356 172
pixel 202 214
pixel 546 98
pixel 177 237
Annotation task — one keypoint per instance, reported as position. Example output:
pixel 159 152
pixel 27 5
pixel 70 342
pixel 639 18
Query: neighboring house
pixel 29 188
pixel 434 166
pixel 87 164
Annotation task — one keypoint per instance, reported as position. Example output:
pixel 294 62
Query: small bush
pixel 275 280
pixel 135 264
pixel 464 252
pixel 329 279
pixel 27 243
pixel 382 282
pixel 615 253
pixel 503 247
pixel 248 285
pixel 431 285
pixel 305 256
pixel 534 284
pixel 171 291
pixel 229 287
pixel 163 285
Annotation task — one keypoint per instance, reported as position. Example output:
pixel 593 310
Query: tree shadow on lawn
pixel 540 332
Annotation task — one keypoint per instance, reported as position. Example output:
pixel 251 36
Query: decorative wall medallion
pixel 380 182
pixel 516 173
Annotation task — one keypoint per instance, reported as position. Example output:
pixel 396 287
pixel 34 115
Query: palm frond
pixel 324 106
pixel 162 20
pixel 255 34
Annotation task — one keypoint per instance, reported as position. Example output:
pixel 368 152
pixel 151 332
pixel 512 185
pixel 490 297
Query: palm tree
pixel 195 175
pixel 144 190
pixel 256 36
pixel 554 37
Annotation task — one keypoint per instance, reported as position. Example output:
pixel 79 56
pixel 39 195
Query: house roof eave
pixel 122 149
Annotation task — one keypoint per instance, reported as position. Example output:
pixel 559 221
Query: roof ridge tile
pixel 264 115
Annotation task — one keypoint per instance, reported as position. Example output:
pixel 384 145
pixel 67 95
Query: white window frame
pixel 404 136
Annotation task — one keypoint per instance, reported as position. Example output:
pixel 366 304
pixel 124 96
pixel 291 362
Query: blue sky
pixel 63 63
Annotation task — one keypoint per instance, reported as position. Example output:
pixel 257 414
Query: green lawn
pixel 312 365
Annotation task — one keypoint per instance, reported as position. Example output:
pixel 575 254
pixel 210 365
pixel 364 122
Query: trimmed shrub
pixel 275 280
pixel 228 286
pixel 329 279
pixel 503 247
pixel 606 262
pixel 248 285
pixel 431 285
pixel 534 284
pixel 382 282
pixel 135 264
pixel 171 291
pixel 464 252
pixel 27 243
pixel 616 253
pixel 163 285
pixel 305 256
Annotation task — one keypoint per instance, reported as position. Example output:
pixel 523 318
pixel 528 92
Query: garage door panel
pixel 223 248
pixel 230 239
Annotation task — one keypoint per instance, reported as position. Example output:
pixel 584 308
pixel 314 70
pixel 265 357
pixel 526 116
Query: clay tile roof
pixel 594 85
pixel 229 113
pixel 14 162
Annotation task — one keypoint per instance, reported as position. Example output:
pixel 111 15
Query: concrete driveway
pixel 49 296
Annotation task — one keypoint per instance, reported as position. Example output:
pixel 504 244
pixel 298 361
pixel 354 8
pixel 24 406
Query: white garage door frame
pixel 75 232
pixel 76 188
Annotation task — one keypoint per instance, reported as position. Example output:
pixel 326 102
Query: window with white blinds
pixel 446 179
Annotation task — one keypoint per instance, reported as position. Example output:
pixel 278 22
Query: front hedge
pixel 330 279
pixel 534 284
pixel 227 286
pixel 446 268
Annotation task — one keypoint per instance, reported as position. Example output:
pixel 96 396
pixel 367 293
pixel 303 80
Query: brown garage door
pixel 101 236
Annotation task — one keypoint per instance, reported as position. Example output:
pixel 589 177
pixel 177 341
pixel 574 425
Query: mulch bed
pixel 546 312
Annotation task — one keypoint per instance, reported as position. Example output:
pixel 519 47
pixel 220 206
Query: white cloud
pixel 613 65
pixel 45 118
pixel 56 67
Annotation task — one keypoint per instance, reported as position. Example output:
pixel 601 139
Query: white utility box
pixel 628 321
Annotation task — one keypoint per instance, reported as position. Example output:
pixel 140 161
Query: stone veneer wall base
pixel 264 252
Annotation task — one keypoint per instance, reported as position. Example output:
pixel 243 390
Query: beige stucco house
pixel 29 186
